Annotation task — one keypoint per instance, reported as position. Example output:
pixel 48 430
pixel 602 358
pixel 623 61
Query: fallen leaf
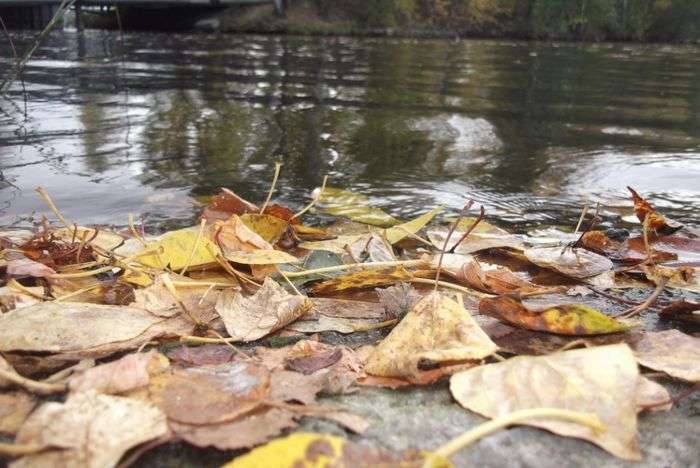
pixel 601 380
pixel 85 330
pixel 436 331
pixel 89 430
pixel 208 354
pixel 362 279
pixel 310 364
pixel 474 242
pixel 337 245
pixel 400 231
pixel 652 396
pixel 261 257
pixel 15 407
pixel 246 433
pixel 494 280
pixel 672 352
pixel 339 202
pixel 398 300
pixel 575 263
pixel 319 450
pixel 123 375
pixel 681 310
pixel 565 319
pixel 369 248
pixel 657 222
pixel 22 266
pixel 174 250
pixel 11 298
pixel 233 235
pixel 269 309
pixel 226 203
pixel 270 228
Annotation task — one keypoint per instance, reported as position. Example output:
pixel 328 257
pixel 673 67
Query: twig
pixel 375 326
pixel 583 215
pixel 47 198
pixel 458 443
pixel 648 302
pixel 18 450
pixel 272 187
pixel 202 223
pixel 352 266
pixel 456 287
pixel 464 211
pixel 33 386
pixel 610 296
pixel 482 212
pixel 314 201
pixel 286 278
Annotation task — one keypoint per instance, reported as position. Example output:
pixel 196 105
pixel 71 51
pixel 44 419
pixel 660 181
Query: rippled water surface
pixel 531 130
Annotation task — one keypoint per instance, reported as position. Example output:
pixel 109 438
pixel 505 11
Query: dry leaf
pixel 321 450
pixel 174 249
pixel 672 352
pixel 14 409
pixel 89 430
pixel 22 266
pixel 398 300
pixel 270 228
pixel 337 245
pixel 494 280
pixel 474 242
pixel 362 279
pixel 575 263
pixel 601 380
pixel 565 319
pixel 233 235
pixel 226 203
pixel 269 309
pixel 400 231
pixel 261 257
pixel 436 331
pixel 369 248
pixel 125 374
pixel 657 222
pixel 681 310
pixel 208 354
pixel 339 202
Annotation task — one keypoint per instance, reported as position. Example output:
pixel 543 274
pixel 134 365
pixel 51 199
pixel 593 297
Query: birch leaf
pixel 601 380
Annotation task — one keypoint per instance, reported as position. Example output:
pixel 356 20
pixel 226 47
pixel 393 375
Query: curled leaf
pixel 565 319
pixel 656 221
pixel 575 263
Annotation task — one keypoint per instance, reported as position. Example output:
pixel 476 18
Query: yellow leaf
pixel 261 257
pixel 271 228
pixel 175 248
pixel 398 232
pixel 339 202
pixel 361 280
pixel 313 450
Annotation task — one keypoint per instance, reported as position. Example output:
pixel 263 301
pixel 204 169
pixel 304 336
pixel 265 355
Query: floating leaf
pixel 575 263
pixel 400 231
pixel 269 309
pixel 261 257
pixel 436 331
pixel 565 319
pixel 89 430
pixel 323 450
pixel 657 222
pixel 339 202
pixel 362 279
pixel 601 380
pixel 672 352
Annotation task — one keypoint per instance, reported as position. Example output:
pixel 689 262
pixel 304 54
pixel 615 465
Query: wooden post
pixel 279 7
pixel 78 16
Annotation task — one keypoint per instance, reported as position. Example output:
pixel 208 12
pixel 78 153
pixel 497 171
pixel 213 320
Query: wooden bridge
pixel 37 13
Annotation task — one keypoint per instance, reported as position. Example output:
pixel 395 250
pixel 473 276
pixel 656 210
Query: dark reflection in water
pixel 531 130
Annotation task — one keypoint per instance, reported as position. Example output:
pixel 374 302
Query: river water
pixel 150 123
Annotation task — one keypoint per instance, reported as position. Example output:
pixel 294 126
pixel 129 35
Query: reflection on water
pixel 531 130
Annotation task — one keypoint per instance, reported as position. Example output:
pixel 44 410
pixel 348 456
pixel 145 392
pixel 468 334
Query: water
pixel 530 130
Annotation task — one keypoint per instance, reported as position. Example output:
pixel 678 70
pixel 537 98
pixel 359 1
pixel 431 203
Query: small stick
pixel 134 232
pixel 610 296
pixel 648 302
pixel 288 281
pixel 352 266
pixel 272 187
pixel 167 282
pixel 375 326
pixel 458 443
pixel 202 223
pixel 47 198
pixel 8 449
pixel 14 284
pixel 83 274
pixel 456 287
pixel 580 220
pixel 77 292
pixel 314 201
pixel 464 211
pixel 40 388
pixel 482 212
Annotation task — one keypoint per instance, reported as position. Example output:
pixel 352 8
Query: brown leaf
pixel 575 263
pixel 226 203
pixel 565 319
pixel 89 430
pixel 474 242
pixel 681 310
pixel 14 410
pixel 125 374
pixel 22 266
pixel 437 331
pixel 651 396
pixel 310 364
pixel 601 380
pixel 233 235
pixel 398 300
pixel 369 248
pixel 208 354
pixel 363 279
pixel 657 222
pixel 269 309
pixel 672 352
pixel 496 280
pixel 290 386
pixel 246 433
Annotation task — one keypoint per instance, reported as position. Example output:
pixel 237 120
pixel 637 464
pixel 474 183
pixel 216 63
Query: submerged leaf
pixel 672 352
pixel 436 331
pixel 601 380
pixel 565 319
pixel 269 309
pixel 339 202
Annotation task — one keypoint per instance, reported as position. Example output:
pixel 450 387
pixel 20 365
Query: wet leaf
pixel 436 331
pixel 339 202
pixel 369 248
pixel 174 250
pixel 123 375
pixel 322 450
pixel 657 222
pixel 337 245
pixel 269 309
pixel 493 280
pixel 270 228
pixel 681 310
pixel 672 352
pixel 226 203
pixel 89 430
pixel 575 263
pixel 565 319
pixel 401 231
pixel 398 300
pixel 474 242
pixel 601 380
pixel 261 257
pixel 363 279
pixel 82 329
pixel 15 407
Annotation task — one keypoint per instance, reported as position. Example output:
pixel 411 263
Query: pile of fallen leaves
pixel 222 335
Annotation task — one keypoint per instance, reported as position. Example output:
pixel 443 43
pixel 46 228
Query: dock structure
pixel 37 13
